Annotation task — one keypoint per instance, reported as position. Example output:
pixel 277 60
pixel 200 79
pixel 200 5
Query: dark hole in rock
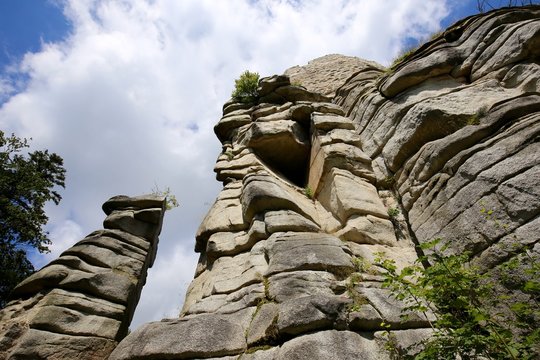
pixel 285 148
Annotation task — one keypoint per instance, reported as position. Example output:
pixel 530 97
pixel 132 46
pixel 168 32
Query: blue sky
pixel 127 92
pixel 25 24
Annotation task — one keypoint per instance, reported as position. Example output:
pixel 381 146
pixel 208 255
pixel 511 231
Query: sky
pixel 127 93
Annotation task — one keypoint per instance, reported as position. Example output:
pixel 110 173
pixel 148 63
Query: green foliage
pixel 170 198
pixel 308 191
pixel 361 265
pixel 26 184
pixel 245 87
pixel 475 118
pixel 393 212
pixel 469 322
pixel 358 299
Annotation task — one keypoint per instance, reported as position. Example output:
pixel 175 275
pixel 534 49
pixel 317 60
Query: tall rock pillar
pixel 284 270
pixel 80 305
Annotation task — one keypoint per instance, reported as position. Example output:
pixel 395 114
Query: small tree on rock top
pixel 245 87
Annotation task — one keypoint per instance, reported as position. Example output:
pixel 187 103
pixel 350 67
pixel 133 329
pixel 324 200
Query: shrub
pixel 308 191
pixel 469 323
pixel 393 212
pixel 245 87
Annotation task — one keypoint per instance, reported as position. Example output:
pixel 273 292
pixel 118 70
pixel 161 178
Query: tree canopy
pixel 27 182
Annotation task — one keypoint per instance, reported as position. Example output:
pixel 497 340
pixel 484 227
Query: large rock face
pixel 339 161
pixel 80 305
pixel 314 176
pixel 282 247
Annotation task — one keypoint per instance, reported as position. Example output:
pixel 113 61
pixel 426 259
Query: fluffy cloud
pixel 130 97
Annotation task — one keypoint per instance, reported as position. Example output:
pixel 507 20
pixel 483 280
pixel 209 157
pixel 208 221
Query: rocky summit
pixel 338 162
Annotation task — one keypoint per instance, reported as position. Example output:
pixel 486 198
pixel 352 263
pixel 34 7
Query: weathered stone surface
pixel 230 243
pixel 290 157
pixel 406 341
pixel 197 336
pixel 247 296
pixel 80 305
pixel 286 220
pixel 331 344
pixel 403 256
pixel 326 122
pixel 72 322
pixel 368 230
pixel 345 195
pixel 228 274
pixel 341 136
pixel 224 215
pixel 126 220
pixel 271 83
pixel 225 127
pixel 123 202
pixel 292 285
pixel 130 239
pixel 327 73
pixel 307 251
pixel 38 344
pixel 324 158
pixel 309 313
pixel 84 303
pixel 298 93
pixel 103 257
pixel 263 193
pixel 364 318
pixel 264 326
pixel 392 309
pixel 262 354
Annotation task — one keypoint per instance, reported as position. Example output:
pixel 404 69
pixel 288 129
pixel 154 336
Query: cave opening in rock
pixel 285 148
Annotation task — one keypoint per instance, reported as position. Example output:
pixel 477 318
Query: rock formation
pixel 321 176
pixel 80 305
pixel 342 160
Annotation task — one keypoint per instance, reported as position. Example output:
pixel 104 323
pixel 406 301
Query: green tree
pixel 245 89
pixel 27 182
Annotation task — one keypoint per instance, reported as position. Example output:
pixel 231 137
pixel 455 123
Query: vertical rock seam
pixel 80 305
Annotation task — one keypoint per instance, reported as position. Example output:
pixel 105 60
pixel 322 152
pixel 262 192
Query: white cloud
pixel 130 97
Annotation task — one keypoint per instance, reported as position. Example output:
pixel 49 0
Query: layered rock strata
pixel 454 128
pixel 316 186
pixel 286 249
pixel 80 305
pixel 339 162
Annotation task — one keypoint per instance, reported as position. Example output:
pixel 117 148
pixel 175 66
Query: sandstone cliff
pixel 359 160
pixel 356 160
